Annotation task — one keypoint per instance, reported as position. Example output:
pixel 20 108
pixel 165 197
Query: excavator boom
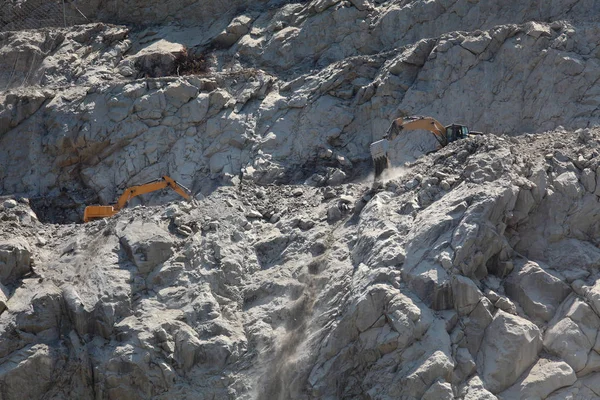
pixel 96 212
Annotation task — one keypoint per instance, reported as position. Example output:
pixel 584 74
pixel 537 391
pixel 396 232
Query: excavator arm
pixel 413 123
pixel 96 212
pixel 379 149
pixel 148 187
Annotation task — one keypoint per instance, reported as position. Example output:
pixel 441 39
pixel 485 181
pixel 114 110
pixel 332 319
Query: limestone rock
pixel 374 294
pixel 474 389
pixel 465 293
pixel 543 378
pixel 593 296
pixel 477 323
pixel 511 345
pixel 158 59
pixel 592 365
pixel 10 203
pixel 29 372
pixel 477 44
pixel 536 30
pixel 588 179
pixel 147 245
pixel 439 390
pixel 235 30
pixel 568 184
pixel 538 292
pixel 179 93
pixel 465 364
pixel 436 366
pixel 567 340
pixel 334 213
pixel 15 260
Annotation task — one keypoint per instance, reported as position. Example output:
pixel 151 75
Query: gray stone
pixel 566 340
pixel 511 345
pixel 337 177
pixel 465 293
pixel 10 203
pixel 15 260
pixel 543 378
pixel 147 245
pixel 474 389
pixel 439 391
pixel 334 213
pixel 538 292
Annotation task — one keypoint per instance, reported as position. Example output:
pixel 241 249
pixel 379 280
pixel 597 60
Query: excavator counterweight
pixel 97 212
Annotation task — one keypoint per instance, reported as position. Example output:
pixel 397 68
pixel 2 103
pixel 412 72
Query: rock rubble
pixel 385 302
pixel 465 273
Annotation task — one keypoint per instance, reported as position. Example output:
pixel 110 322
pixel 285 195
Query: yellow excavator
pixel 443 134
pixel 97 212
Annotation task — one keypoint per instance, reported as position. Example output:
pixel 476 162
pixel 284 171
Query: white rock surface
pixel 468 273
pixel 15 259
pixel 510 346
pixel 543 378
pixel 529 286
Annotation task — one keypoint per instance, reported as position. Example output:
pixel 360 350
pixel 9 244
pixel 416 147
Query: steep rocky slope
pixel 467 273
pixel 290 90
pixel 470 273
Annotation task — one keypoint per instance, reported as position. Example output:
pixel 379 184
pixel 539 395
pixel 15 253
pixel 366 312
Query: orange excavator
pixel 96 212
pixel 443 134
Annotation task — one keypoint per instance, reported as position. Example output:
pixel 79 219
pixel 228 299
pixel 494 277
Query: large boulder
pixel 37 309
pixel 28 373
pixel 439 391
pixel 466 294
pixel 437 366
pixel 476 324
pixel 572 334
pixel 510 345
pixel 592 294
pixel 537 291
pixel 15 260
pixel 158 58
pixel 147 245
pixel 567 341
pixel 542 379
pixel 474 389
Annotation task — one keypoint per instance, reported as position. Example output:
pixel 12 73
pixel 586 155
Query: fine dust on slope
pixel 282 379
pixel 288 370
pixel 389 174
pixel 393 173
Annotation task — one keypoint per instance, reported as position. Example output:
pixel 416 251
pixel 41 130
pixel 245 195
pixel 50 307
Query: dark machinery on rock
pixel 97 212
pixel 443 134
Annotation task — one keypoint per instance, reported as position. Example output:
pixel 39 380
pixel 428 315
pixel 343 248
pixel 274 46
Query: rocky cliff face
pixel 466 273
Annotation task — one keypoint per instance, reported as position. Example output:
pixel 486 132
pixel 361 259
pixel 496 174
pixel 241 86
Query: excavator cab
pixel 455 132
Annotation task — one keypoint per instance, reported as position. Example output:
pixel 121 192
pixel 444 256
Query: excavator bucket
pixel 379 151
pixel 95 212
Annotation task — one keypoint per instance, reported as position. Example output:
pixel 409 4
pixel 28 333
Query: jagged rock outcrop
pixel 418 292
pixel 466 273
pixel 267 119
